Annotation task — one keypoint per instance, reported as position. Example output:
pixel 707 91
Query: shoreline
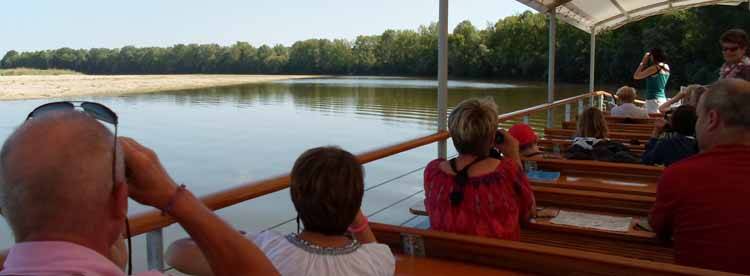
pixel 59 86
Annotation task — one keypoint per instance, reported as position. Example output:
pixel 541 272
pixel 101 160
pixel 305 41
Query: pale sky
pixel 50 24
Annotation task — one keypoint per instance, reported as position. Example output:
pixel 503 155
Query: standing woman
pixel 734 44
pixel 655 70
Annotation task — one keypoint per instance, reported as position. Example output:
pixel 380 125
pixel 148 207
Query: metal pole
pixel 551 64
pixel 592 64
pixel 155 250
pixel 443 77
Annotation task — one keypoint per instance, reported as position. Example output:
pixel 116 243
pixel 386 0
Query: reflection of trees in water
pixel 391 104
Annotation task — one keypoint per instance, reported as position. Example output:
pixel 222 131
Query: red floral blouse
pixel 493 204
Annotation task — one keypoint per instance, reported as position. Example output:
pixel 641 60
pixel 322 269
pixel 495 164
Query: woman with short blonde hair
pixel 472 125
pixel 475 193
pixel 592 124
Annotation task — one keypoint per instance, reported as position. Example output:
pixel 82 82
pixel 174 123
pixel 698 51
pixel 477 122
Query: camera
pixel 499 137
pixel 499 140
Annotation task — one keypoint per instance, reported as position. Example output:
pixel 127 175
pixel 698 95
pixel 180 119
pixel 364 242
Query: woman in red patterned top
pixel 474 193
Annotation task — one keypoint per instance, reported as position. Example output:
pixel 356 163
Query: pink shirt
pixel 59 258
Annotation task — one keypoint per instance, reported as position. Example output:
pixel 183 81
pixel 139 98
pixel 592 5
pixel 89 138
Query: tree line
pixel 515 47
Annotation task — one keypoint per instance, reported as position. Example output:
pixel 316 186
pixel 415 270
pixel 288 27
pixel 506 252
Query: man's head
pixel 626 94
pixel 723 114
pixel 56 181
pixel 734 44
pixel 683 120
pixel 526 138
pixel 327 187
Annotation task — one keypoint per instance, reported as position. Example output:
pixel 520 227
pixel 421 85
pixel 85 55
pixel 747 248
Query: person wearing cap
pixel 526 140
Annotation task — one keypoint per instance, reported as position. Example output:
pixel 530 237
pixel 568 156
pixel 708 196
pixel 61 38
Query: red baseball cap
pixel 523 133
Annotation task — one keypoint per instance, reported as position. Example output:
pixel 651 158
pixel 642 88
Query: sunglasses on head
pixel 96 110
pixel 100 112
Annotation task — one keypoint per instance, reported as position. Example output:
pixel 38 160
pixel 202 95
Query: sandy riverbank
pixel 34 87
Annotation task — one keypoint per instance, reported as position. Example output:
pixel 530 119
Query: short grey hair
pixel 731 99
pixel 472 125
pixel 56 175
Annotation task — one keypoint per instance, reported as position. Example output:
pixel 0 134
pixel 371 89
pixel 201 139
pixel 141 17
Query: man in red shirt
pixel 702 201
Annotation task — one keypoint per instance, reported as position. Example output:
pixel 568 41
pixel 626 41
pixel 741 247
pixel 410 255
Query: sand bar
pixel 35 87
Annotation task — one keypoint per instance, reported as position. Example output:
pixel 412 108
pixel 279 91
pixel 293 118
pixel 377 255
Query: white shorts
pixel 652 106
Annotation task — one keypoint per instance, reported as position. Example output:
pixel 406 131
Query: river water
pixel 213 139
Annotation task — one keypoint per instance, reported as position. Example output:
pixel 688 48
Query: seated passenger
pixel 592 124
pixel 65 196
pixel 327 186
pixel 627 95
pixel 702 201
pixel 674 140
pixel 526 140
pixel 473 193
pixel 688 96
pixel 590 141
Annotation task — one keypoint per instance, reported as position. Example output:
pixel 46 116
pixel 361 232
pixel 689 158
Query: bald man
pixel 702 201
pixel 58 196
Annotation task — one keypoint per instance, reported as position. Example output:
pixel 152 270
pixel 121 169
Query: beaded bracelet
pixel 170 204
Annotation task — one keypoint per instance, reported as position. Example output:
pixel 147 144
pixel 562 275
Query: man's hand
pixel 148 182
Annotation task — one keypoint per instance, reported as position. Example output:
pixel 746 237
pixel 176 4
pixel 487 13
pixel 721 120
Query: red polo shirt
pixel 703 203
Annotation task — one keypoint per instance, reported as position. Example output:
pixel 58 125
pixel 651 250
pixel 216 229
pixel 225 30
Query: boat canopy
pixel 593 16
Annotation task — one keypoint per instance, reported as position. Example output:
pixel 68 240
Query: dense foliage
pixel 513 48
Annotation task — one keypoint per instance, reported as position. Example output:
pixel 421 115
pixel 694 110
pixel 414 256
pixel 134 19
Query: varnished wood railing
pixel 153 220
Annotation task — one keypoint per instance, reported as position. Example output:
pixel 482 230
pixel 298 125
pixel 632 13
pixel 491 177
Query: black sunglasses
pixel 729 49
pixel 100 112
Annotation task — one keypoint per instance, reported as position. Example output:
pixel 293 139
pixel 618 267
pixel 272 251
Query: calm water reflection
pixel 212 139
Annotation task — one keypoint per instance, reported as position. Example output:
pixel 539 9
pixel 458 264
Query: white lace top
pixel 293 256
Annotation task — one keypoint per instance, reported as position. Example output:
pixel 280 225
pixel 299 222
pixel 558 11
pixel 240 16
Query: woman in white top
pixel 327 186
pixel 627 95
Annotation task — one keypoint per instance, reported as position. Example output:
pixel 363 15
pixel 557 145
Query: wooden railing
pixel 152 220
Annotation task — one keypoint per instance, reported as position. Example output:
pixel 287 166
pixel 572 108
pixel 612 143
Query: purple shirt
pixel 59 258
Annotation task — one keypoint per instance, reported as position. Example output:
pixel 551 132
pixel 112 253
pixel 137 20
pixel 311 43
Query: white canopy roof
pixel 593 16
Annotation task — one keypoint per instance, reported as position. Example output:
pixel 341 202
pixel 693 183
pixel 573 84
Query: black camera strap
pixel 461 178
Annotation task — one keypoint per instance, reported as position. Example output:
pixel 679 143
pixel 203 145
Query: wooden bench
pixel 594 167
pixel 562 145
pixel 619 127
pixel 412 265
pixel 618 203
pixel 634 243
pixel 623 137
pixel 521 256
pixel 626 120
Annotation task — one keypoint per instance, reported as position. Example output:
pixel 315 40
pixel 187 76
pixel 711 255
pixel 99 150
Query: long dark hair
pixel 658 55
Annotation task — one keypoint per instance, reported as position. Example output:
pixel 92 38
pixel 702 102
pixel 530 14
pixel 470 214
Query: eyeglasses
pixel 100 112
pixel 730 49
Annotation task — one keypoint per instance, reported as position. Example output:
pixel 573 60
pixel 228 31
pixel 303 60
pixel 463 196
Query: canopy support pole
pixel 592 64
pixel 551 64
pixel 442 103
